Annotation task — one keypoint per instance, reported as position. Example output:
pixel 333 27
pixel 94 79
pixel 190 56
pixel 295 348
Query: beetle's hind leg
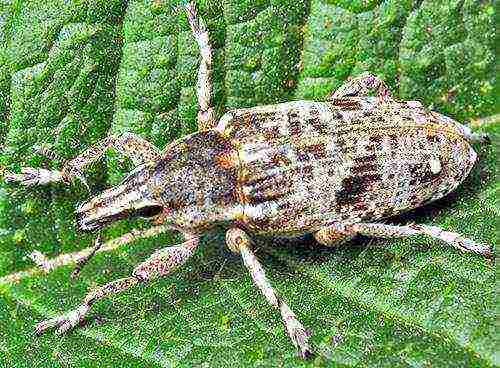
pixel 128 144
pixel 333 235
pixel 160 263
pixel 394 231
pixel 472 137
pixel 478 138
pixel 204 88
pixel 238 241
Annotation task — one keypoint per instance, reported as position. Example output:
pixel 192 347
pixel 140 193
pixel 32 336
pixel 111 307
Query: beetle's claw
pixel 299 338
pixel 485 138
pixel 481 138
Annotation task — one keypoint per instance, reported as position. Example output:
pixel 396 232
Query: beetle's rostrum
pixel 334 168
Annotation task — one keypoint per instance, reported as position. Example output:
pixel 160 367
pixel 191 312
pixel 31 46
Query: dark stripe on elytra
pixel 271 133
pixel 394 141
pixel 294 123
pixel 262 197
pixel 315 121
pixel 347 103
pixel 269 183
pixel 364 168
pixel 360 206
pixel 318 151
pixel 354 186
pixel 364 159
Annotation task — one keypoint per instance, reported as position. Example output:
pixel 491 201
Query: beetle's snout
pixel 112 205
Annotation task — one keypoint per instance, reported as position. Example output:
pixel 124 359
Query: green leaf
pixel 73 71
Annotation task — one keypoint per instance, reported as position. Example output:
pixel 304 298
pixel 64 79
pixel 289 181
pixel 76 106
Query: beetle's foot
pixel 64 322
pixel 456 240
pixel 299 336
pixel 34 176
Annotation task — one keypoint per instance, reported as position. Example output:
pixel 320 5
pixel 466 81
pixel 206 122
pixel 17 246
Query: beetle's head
pixel 130 198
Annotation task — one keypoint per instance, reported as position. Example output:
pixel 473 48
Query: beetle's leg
pixel 204 88
pixel 128 144
pixel 238 241
pixel 394 231
pixel 160 263
pixel 131 145
pixel 68 320
pixel 478 138
pixel 474 137
pixel 361 86
pixel 34 176
pixel 333 235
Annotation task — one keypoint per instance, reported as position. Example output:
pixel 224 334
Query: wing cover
pixel 305 164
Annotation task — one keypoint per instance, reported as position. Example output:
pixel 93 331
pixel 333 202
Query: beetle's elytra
pixel 332 168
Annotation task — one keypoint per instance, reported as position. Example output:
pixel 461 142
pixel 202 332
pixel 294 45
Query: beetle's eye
pixel 148 211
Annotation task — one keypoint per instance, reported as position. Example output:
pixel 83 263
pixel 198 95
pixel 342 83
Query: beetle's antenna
pixel 83 261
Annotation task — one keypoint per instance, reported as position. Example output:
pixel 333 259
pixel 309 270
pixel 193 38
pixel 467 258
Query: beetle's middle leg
pixel 394 231
pixel 128 144
pixel 204 88
pixel 160 263
pixel 238 241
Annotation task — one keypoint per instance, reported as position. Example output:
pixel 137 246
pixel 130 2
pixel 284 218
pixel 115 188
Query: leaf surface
pixel 73 71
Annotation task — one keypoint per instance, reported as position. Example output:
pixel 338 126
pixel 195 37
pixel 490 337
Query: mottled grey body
pixel 295 167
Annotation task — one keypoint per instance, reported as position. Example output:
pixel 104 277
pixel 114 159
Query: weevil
pixel 334 169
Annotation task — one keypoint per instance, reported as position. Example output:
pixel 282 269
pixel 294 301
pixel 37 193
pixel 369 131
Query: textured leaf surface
pixel 73 71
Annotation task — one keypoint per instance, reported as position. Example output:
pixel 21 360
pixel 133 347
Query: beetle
pixel 333 168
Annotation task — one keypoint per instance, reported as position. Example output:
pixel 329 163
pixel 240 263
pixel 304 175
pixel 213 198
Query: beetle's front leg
pixel 361 86
pixel 238 241
pixel 160 263
pixel 128 144
pixel 204 88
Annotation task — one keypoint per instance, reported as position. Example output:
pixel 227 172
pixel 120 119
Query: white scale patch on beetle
pixel 333 168
pixel 435 166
